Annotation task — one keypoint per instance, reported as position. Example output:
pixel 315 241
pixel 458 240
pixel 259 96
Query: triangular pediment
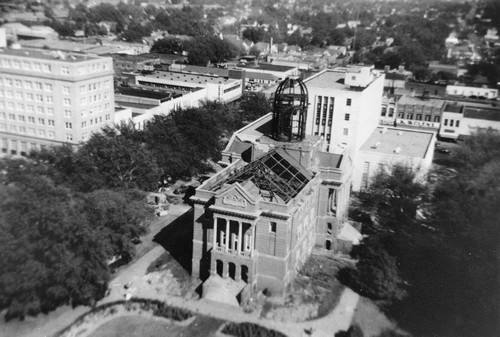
pixel 236 196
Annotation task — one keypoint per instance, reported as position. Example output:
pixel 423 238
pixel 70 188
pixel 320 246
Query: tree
pixel 254 105
pixel 167 46
pixel 49 254
pixel 117 162
pixel 254 34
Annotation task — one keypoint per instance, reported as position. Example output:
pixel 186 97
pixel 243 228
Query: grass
pixel 370 319
pixel 313 294
pixel 137 326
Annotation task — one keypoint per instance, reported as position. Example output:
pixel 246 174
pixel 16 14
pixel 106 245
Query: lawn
pixel 137 326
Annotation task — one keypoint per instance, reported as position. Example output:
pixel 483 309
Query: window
pixel 69 137
pixel 347 117
pixel 41 133
pixel 427 118
pixel 12 117
pixel 47 68
pixel 37 66
pixel 50 111
pixel 39 98
pixel 18 84
pixel 272 227
pixel 48 87
pixel 22 129
pixel 457 124
pixel 8 94
pixel 419 117
pixel 67 102
pixel 445 122
pixel 348 102
pixel 38 86
pixel 82 89
pixel 346 131
pixel 50 122
pixel 384 111
pixel 49 99
pixel 31 120
pixel 451 122
pixel 20 106
pixel 39 110
pixel 52 134
pixel 437 119
pixel 41 121
pixel 66 90
pixel 83 101
pixel 67 113
pixel 409 116
pixel 69 125
pixel 84 125
pixel 19 95
pixel 108 117
pixel 28 85
pixel 65 70
pixel 22 118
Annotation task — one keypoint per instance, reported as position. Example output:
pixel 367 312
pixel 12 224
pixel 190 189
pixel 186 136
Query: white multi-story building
pixel 49 98
pixel 344 106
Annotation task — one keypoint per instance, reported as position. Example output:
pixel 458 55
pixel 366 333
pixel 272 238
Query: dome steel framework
pixel 290 110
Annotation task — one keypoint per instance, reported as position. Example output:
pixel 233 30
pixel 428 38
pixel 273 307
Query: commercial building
pixel 388 146
pixel 462 119
pixel 344 106
pixel 52 98
pixel 257 221
pixel 223 88
pixel 472 92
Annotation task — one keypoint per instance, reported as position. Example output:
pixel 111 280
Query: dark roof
pixel 159 95
pixel 490 114
pixel 267 66
pixel 276 173
pixel 239 146
pixel 453 107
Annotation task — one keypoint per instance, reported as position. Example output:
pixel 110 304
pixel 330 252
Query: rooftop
pixel 398 142
pixel 153 94
pixel 430 102
pixel 330 79
pixel 187 77
pixel 490 113
pixel 276 176
pixel 267 66
pixel 49 55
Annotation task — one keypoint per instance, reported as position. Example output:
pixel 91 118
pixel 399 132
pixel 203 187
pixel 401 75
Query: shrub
pixel 249 330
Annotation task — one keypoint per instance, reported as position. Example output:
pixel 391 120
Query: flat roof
pixel 179 76
pixel 432 102
pixel 330 79
pixel 490 114
pixel 453 107
pixel 411 143
pixel 153 94
pixel 49 55
pixel 267 66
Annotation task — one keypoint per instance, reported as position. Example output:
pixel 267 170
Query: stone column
pixel 240 225
pixel 227 235
pixel 215 233
pixel 237 276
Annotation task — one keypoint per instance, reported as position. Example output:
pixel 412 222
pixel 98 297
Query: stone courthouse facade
pixel 257 221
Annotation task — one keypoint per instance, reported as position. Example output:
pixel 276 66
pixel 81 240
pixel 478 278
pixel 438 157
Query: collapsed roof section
pixel 277 176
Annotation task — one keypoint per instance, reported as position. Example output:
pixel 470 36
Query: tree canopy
pixel 445 261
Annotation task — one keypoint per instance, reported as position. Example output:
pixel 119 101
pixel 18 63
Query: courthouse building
pixel 49 97
pixel 257 221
